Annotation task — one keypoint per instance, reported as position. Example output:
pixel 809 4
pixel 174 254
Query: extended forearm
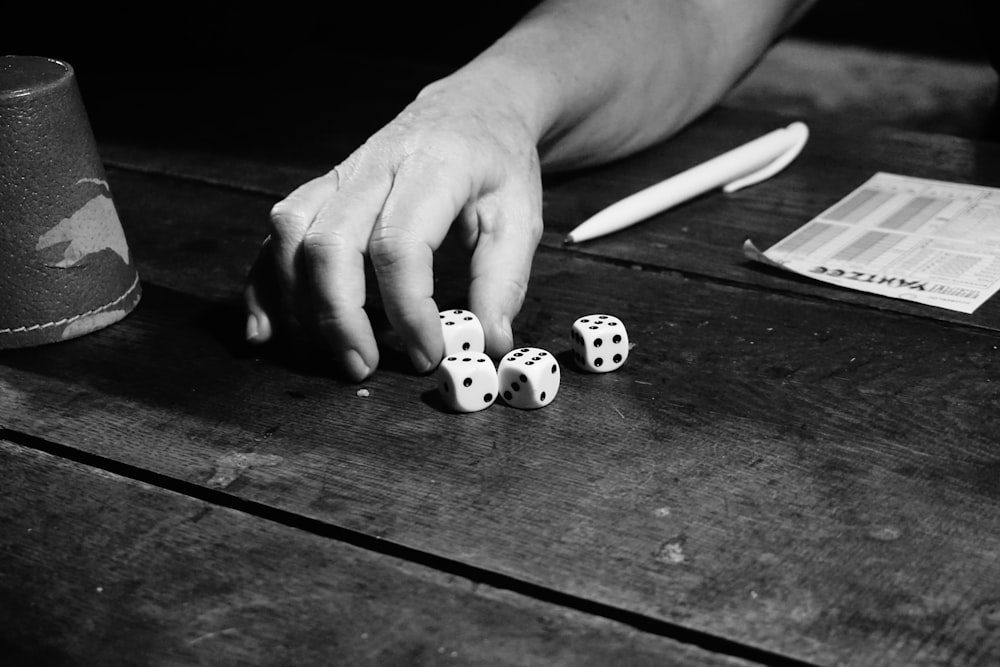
pixel 600 79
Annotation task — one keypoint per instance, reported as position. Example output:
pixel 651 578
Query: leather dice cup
pixel 65 266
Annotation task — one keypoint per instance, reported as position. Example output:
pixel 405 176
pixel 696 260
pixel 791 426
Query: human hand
pixel 459 156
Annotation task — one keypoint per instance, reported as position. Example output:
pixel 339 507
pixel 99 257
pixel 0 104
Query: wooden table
pixel 783 472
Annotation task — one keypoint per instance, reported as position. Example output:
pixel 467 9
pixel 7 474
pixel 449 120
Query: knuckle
pixel 388 245
pixel 287 215
pixel 315 242
pixel 331 319
pixel 516 289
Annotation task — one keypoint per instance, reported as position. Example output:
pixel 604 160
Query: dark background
pixel 263 78
pixel 183 34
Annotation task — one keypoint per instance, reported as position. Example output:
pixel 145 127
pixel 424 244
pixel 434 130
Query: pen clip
pixel 800 134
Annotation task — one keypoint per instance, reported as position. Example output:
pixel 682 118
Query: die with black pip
pixel 462 332
pixel 467 382
pixel 528 378
pixel 466 377
pixel 600 343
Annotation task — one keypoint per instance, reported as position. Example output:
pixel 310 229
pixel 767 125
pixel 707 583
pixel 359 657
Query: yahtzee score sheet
pixel 933 242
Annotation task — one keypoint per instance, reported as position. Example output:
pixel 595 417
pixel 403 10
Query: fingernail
pixel 502 339
pixel 253 328
pixel 420 360
pixel 356 366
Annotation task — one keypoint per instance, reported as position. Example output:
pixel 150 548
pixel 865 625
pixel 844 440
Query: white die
pixel 462 332
pixel 600 343
pixel 528 377
pixel 467 383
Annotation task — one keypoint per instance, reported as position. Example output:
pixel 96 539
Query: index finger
pixel 334 250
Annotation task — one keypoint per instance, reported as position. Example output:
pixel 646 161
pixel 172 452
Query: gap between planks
pixel 636 620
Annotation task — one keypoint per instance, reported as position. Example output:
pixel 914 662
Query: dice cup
pixel 65 266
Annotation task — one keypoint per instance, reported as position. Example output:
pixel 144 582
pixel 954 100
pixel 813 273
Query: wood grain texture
pixel 703 237
pixel 100 569
pixel 795 474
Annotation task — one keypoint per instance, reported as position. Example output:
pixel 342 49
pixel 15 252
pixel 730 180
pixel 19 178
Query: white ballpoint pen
pixel 741 167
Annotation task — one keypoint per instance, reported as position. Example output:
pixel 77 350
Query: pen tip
pixel 568 239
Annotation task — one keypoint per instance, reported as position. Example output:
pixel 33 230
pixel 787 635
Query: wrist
pixel 505 87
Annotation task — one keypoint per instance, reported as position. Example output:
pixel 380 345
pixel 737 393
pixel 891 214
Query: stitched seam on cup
pixel 67 320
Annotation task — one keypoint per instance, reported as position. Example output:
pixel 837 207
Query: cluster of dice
pixel 527 377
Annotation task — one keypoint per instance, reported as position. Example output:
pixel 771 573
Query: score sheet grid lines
pixel 933 242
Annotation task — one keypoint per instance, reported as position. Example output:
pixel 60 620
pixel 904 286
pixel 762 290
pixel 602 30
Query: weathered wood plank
pixel 794 474
pixel 703 237
pixel 101 569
